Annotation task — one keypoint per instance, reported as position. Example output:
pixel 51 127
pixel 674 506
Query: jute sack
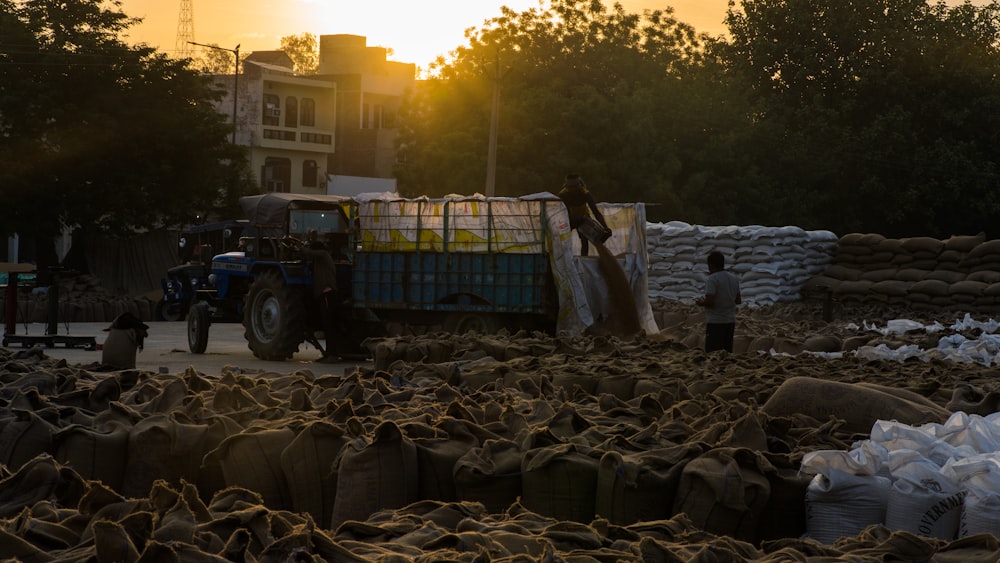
pixel 23 436
pixel 784 516
pixel 859 406
pixel 252 460
pixel 376 472
pixel 640 487
pixel 160 447
pixel 724 491
pixel 40 479
pixel 560 481
pixel 438 450
pixel 97 454
pixel 490 475
pixel 307 463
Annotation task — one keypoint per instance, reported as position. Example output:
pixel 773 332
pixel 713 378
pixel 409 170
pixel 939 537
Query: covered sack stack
pixel 925 273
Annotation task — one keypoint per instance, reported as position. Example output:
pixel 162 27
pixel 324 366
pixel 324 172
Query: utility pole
pixel 236 77
pixel 491 157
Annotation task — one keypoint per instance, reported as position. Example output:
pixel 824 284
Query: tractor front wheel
pixel 198 322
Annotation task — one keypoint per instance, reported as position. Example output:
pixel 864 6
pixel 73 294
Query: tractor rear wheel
pixel 274 318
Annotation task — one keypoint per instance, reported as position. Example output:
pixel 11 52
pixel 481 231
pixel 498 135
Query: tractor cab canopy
pixel 279 214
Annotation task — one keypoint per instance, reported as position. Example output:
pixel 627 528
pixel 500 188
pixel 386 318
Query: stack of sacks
pixel 919 272
pixel 772 262
pixel 933 480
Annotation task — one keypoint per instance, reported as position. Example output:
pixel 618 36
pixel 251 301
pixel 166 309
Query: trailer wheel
pixel 462 323
pixel 198 322
pixel 274 318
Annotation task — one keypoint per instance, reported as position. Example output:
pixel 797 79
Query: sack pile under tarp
pixel 920 272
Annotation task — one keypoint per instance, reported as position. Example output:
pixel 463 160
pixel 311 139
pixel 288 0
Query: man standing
pixel 579 203
pixel 722 295
pixel 324 291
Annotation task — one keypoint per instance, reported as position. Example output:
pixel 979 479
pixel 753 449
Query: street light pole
pixel 236 77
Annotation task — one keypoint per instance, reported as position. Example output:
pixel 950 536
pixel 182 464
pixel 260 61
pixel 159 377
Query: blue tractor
pixel 268 282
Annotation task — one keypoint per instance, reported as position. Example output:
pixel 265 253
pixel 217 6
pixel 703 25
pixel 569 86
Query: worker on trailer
pixel 580 203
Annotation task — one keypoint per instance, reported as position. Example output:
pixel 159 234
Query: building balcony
pixel 293 138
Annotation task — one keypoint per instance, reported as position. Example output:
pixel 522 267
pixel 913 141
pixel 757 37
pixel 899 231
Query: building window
pixel 291 111
pixel 279 135
pixel 371 116
pixel 317 138
pixel 276 174
pixel 308 117
pixel 271 110
pixel 309 174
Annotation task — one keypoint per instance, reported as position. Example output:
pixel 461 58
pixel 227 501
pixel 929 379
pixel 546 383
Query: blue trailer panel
pixel 491 282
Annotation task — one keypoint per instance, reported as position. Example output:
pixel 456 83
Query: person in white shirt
pixel 722 295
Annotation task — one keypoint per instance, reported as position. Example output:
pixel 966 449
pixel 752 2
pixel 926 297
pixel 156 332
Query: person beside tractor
pixel 324 290
pixel 580 204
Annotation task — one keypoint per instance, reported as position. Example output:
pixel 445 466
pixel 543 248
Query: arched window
pixel 309 171
pixel 308 118
pixel 291 112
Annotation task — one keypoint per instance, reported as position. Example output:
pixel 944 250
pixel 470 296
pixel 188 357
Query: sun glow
pixel 414 32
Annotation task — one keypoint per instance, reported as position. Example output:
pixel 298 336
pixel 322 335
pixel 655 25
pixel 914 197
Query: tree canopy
pixel 848 115
pixel 880 116
pixel 582 90
pixel 100 134
pixel 303 49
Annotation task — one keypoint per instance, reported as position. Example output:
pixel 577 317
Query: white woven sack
pixel 979 477
pixel 845 496
pixel 922 500
pixel 896 436
pixel 972 431
pixel 841 504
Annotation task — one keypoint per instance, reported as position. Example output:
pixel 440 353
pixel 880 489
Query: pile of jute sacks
pixel 82 299
pixel 921 272
pixel 456 447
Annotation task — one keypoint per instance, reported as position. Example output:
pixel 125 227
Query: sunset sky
pixel 415 31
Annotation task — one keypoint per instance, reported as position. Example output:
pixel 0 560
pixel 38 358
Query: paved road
pixel 166 349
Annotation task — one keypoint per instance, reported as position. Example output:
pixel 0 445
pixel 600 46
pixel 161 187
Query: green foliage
pixel 217 60
pixel 848 115
pixel 878 116
pixel 583 89
pixel 99 134
pixel 303 49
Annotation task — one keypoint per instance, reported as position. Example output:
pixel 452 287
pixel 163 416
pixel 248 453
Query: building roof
pixel 273 58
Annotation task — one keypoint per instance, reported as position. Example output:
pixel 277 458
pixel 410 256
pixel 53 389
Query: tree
pixel 872 116
pixel 303 49
pixel 584 89
pixel 216 61
pixel 99 134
